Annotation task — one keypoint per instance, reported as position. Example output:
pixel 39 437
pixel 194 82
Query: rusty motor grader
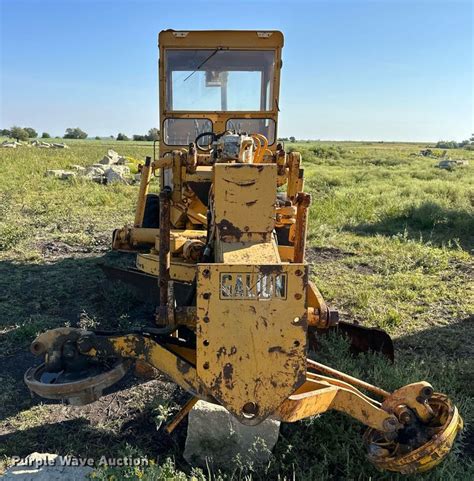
pixel 221 253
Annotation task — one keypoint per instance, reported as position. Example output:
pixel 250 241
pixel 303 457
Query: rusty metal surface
pixel 319 394
pixel 301 226
pixel 393 455
pixel 245 201
pixel 180 270
pixel 346 378
pixel 143 191
pixel 164 252
pixel 247 252
pixel 251 343
pixel 77 393
pixel 183 412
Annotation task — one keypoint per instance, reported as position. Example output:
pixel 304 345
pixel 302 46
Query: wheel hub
pixel 78 387
pixel 419 446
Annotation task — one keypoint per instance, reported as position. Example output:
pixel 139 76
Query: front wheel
pixel 418 446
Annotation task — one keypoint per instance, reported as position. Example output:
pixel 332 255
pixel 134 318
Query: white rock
pixel 78 168
pixel 216 437
pixel 94 170
pixel 45 467
pixel 53 173
pixel 110 158
pixel 117 173
pixel 60 146
pixel 120 169
pixel 9 145
pixel 60 174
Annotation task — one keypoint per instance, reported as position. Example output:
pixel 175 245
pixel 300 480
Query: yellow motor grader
pixel 221 253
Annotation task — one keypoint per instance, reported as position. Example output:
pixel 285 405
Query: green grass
pixel 390 245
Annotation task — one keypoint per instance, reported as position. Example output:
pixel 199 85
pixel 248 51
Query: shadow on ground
pixel 429 221
pixel 38 297
pixel 66 291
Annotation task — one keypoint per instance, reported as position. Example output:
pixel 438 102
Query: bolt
pixel 206 295
pixel 206 319
pixel 298 296
pixel 296 321
pixel 206 272
pixel 405 417
pixel 298 273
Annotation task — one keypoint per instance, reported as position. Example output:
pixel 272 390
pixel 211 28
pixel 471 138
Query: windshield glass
pixel 184 131
pixel 219 80
pixel 265 127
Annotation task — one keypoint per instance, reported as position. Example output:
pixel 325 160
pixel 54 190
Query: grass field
pixel 391 241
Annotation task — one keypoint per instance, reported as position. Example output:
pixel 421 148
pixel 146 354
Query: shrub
pixel 330 152
pixel 32 134
pixel 75 133
pixel 121 136
pixel 452 144
pixel 153 134
pixel 45 135
pixel 18 133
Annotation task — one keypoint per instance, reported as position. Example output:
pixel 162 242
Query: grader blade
pixel 225 267
pixel 145 285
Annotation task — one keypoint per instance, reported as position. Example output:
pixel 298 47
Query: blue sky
pixel 353 69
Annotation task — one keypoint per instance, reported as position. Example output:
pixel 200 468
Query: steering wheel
pixel 208 147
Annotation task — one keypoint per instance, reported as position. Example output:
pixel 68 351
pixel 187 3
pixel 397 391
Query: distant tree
pixel 75 133
pixel 97 137
pixel 448 144
pixel 45 135
pixel 292 139
pixel 111 137
pixel 32 134
pixel 121 136
pixel 139 137
pixel 5 133
pixel 153 134
pixel 283 139
pixel 18 133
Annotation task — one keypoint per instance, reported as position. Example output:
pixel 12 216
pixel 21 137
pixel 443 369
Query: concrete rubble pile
pixel 110 169
pixel 450 164
pixel 47 145
pixel 13 144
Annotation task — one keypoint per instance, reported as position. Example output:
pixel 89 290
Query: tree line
pixel 25 133
pixel 452 144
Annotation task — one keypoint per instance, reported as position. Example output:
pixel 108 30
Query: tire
pixel 151 216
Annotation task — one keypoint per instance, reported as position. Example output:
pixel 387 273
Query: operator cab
pixel 208 87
